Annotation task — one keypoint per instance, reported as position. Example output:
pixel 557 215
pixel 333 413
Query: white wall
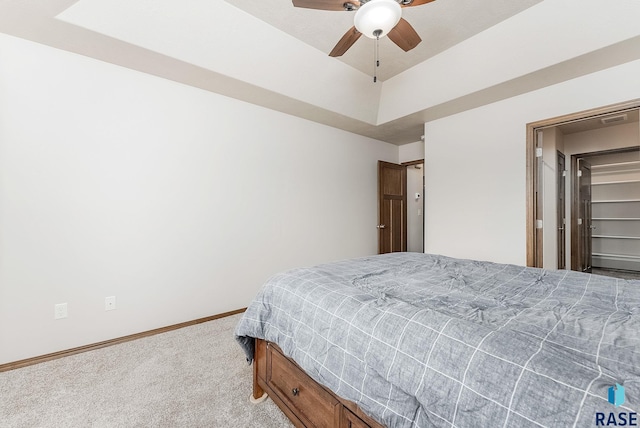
pixel 596 140
pixel 411 152
pixel 475 164
pixel 177 201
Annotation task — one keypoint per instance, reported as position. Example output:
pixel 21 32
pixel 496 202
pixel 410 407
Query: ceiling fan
pixel 373 18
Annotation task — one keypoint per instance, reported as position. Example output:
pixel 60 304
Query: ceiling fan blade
pixel 404 35
pixel 325 4
pixel 349 38
pixel 416 3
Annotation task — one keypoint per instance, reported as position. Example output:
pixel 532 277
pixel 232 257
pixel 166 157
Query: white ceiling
pixel 269 53
pixel 440 24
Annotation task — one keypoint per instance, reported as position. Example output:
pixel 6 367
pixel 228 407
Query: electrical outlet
pixel 60 311
pixel 109 303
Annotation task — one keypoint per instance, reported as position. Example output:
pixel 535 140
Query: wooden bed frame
pixel 305 402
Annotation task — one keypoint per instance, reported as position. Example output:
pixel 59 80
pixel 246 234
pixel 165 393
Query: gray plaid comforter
pixel 419 340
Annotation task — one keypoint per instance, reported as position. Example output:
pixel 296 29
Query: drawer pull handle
pixel 295 391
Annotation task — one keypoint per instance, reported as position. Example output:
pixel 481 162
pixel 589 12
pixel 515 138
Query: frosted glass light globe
pixel 375 15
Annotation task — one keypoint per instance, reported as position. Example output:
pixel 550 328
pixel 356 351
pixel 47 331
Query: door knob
pixel 380 226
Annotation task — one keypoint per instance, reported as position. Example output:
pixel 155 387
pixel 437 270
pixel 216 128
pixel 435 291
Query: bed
pixel 420 340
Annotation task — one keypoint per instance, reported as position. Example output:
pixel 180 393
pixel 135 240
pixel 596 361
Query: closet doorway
pixel 594 157
pixel 608 241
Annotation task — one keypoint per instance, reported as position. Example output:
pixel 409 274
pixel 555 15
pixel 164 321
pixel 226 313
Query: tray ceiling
pixel 440 24
pixel 271 54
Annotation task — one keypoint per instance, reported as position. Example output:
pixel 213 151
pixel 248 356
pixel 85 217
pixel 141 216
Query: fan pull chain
pixel 376 55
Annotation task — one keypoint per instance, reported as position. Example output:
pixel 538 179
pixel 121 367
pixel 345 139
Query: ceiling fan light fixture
pixel 376 18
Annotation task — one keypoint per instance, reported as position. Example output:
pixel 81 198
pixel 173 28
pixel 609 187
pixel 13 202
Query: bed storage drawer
pixel 306 403
pixel 313 404
pixel 349 420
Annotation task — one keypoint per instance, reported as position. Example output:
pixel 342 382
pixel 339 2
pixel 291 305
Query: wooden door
pixel 392 203
pixel 584 215
pixel 561 208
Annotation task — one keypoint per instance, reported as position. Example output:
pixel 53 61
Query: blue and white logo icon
pixel 616 395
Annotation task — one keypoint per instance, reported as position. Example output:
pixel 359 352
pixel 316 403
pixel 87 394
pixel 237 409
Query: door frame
pixel 561 209
pixel 406 165
pixel 579 234
pixel 533 204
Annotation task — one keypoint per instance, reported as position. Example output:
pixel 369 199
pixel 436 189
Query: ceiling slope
pixel 251 55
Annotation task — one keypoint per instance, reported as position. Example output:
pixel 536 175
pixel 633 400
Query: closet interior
pixel 615 186
pixel 589 172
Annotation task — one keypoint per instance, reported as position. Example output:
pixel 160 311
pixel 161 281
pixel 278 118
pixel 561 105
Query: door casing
pixel 581 217
pixel 561 211
pixel 533 241
pixel 577 244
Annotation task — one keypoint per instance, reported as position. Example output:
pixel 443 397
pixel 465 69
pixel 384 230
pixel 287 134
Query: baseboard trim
pixel 55 355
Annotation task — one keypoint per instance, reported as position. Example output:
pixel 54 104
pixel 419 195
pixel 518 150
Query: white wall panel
pixel 475 164
pixel 177 201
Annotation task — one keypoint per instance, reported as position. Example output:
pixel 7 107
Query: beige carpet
pixel 193 377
